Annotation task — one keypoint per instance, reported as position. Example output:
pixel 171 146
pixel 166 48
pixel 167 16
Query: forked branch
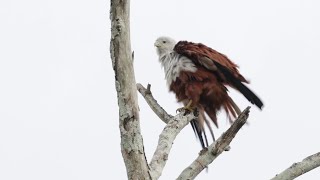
pixel 166 138
pixel 173 127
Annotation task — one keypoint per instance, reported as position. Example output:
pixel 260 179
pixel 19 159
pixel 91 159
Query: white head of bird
pixel 164 45
pixel 172 62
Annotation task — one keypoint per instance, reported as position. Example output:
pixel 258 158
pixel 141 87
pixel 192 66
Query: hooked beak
pixel 156 44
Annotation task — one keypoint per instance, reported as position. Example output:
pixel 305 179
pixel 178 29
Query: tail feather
pixel 229 111
pixel 254 99
pixel 200 134
pixel 235 107
pixel 198 128
pixel 210 129
pixel 198 124
pixel 212 113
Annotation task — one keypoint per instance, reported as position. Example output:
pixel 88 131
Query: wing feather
pixel 207 57
pixel 226 71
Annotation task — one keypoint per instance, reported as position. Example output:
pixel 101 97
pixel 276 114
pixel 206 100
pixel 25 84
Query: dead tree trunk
pixel 131 139
pixel 120 49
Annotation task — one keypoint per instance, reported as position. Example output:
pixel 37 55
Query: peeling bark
pixel 120 49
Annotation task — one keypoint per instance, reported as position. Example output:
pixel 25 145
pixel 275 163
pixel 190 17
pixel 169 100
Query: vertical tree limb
pixel 120 49
pixel 299 168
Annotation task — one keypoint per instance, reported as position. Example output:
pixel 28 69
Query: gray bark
pixel 207 156
pixel 131 139
pixel 166 138
pixel 299 168
pixel 174 125
pixel 157 109
pixel 169 133
pixel 120 49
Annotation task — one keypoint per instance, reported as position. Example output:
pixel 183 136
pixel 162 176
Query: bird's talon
pixel 186 109
pixel 179 110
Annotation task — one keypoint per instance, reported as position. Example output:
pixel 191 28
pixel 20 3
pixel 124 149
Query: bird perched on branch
pixel 199 76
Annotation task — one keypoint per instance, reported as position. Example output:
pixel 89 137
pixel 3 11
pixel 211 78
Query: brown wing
pixel 205 56
pixel 219 64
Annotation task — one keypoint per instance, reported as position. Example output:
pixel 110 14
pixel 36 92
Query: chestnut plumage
pixel 196 72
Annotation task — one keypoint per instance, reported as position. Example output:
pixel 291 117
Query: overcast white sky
pixel 58 106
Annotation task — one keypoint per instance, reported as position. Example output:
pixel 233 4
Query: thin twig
pixel 299 168
pixel 157 109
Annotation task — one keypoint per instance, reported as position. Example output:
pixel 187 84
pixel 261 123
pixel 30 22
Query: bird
pixel 200 76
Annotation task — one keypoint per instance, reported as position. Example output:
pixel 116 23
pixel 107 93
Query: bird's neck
pixel 166 57
pixel 173 63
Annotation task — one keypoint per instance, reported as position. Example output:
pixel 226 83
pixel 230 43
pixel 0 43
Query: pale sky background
pixel 58 106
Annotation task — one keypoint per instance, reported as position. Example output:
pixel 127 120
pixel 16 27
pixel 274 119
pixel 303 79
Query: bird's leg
pixel 186 108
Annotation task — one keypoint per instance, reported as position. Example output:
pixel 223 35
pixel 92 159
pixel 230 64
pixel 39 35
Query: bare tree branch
pixel 120 49
pixel 215 149
pixel 166 138
pixel 299 168
pixel 131 139
pixel 157 109
pixel 174 125
pixel 170 132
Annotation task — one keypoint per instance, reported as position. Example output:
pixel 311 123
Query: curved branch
pixel 206 156
pixel 166 138
pixel 300 168
pixel 157 109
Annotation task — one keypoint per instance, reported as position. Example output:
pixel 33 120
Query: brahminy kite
pixel 199 77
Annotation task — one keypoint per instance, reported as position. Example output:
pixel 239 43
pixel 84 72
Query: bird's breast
pixel 174 64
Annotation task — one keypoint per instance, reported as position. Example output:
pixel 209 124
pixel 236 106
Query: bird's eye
pixel 164 42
